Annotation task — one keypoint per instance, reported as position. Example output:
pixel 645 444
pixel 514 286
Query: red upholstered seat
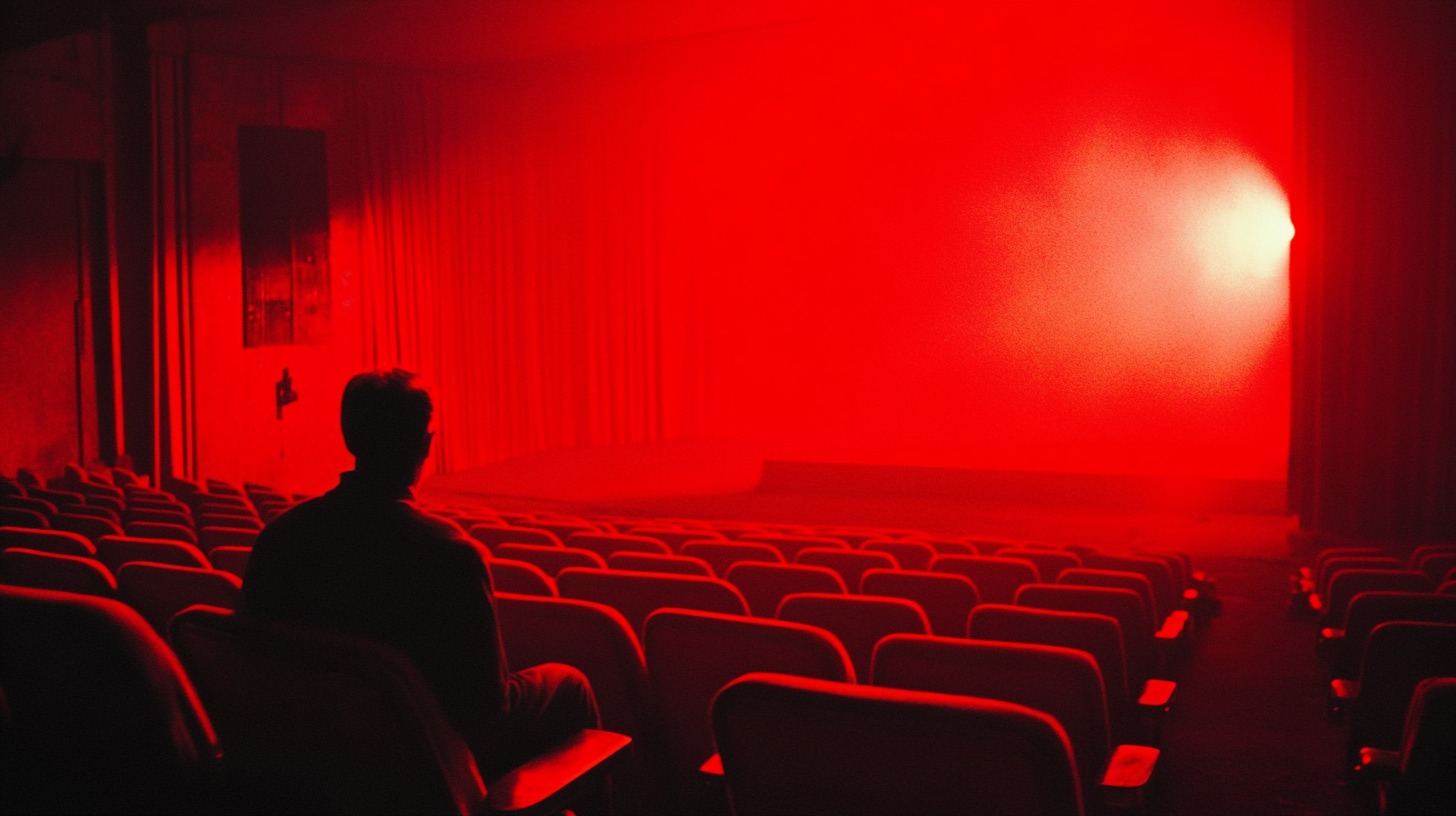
pixel 765 585
pixel 946 599
pixel 850 564
pixel 100 718
pixel 997 579
pixel 56 541
pixel 657 562
pixel 692 655
pixel 859 621
pixel 795 745
pixel 159 591
pixel 113 551
pixel 638 594
pixel 604 544
pixel 551 560
pixel 1064 683
pixel 354 720
pixel 722 555
pixel 520 578
pixel 64 573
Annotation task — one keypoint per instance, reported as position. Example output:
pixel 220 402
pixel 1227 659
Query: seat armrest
pixel 1131 766
pixel 1125 781
pixel 1342 694
pixel 1379 764
pixel 1157 694
pixel 1345 691
pixel 546 783
pixel 1172 628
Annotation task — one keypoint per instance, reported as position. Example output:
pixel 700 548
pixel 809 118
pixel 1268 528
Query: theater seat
pixel 692 655
pixel 56 541
pixel 351 720
pixel 638 594
pixel 1417 780
pixel 795 745
pixel 24 567
pixel 765 585
pixel 1064 683
pixel 946 599
pixel 859 621
pixel 159 591
pixel 100 716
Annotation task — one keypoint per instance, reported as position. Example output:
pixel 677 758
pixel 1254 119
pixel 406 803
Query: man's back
pixel 364 559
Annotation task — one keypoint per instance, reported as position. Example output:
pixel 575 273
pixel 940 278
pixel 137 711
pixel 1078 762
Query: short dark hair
pixel 385 415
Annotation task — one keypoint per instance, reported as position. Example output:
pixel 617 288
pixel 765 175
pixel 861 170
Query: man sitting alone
pixel 365 559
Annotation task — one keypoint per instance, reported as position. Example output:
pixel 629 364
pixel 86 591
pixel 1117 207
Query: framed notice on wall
pixel 284 224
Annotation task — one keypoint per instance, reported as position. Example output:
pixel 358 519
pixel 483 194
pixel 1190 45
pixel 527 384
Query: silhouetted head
pixel 386 421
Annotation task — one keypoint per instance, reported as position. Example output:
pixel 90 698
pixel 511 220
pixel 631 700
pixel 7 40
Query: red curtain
pixel 506 252
pixel 1373 277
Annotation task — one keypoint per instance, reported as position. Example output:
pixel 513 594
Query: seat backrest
pixel 1370 609
pixel 656 562
pixel 1156 570
pixel 850 564
pixel 63 573
pixel 945 598
pixel 210 538
pixel 594 638
pixel 1123 605
pixel 56 541
pixel 91 510
pixel 88 526
pixel 721 555
pixel 1436 564
pixel 159 591
pixel 242 520
pixel 1330 566
pixel 563 528
pixel 231 559
pixel 997 579
pixel 638 594
pixel 765 585
pixel 158 529
pixel 673 537
pixel 1049 563
pixel 859 621
pixel 795 745
pixel 1118 579
pixel 490 536
pixel 102 717
pixel 551 560
pixel 604 544
pixel 1097 635
pixel 1062 682
pixel 1347 583
pixel 910 555
pixel 162 516
pixel 342 715
pixel 23 517
pixel 1426 784
pixel 113 551
pixel 1398 656
pixel 789 544
pixel 692 655
pixel 520 578
pixel 45 508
